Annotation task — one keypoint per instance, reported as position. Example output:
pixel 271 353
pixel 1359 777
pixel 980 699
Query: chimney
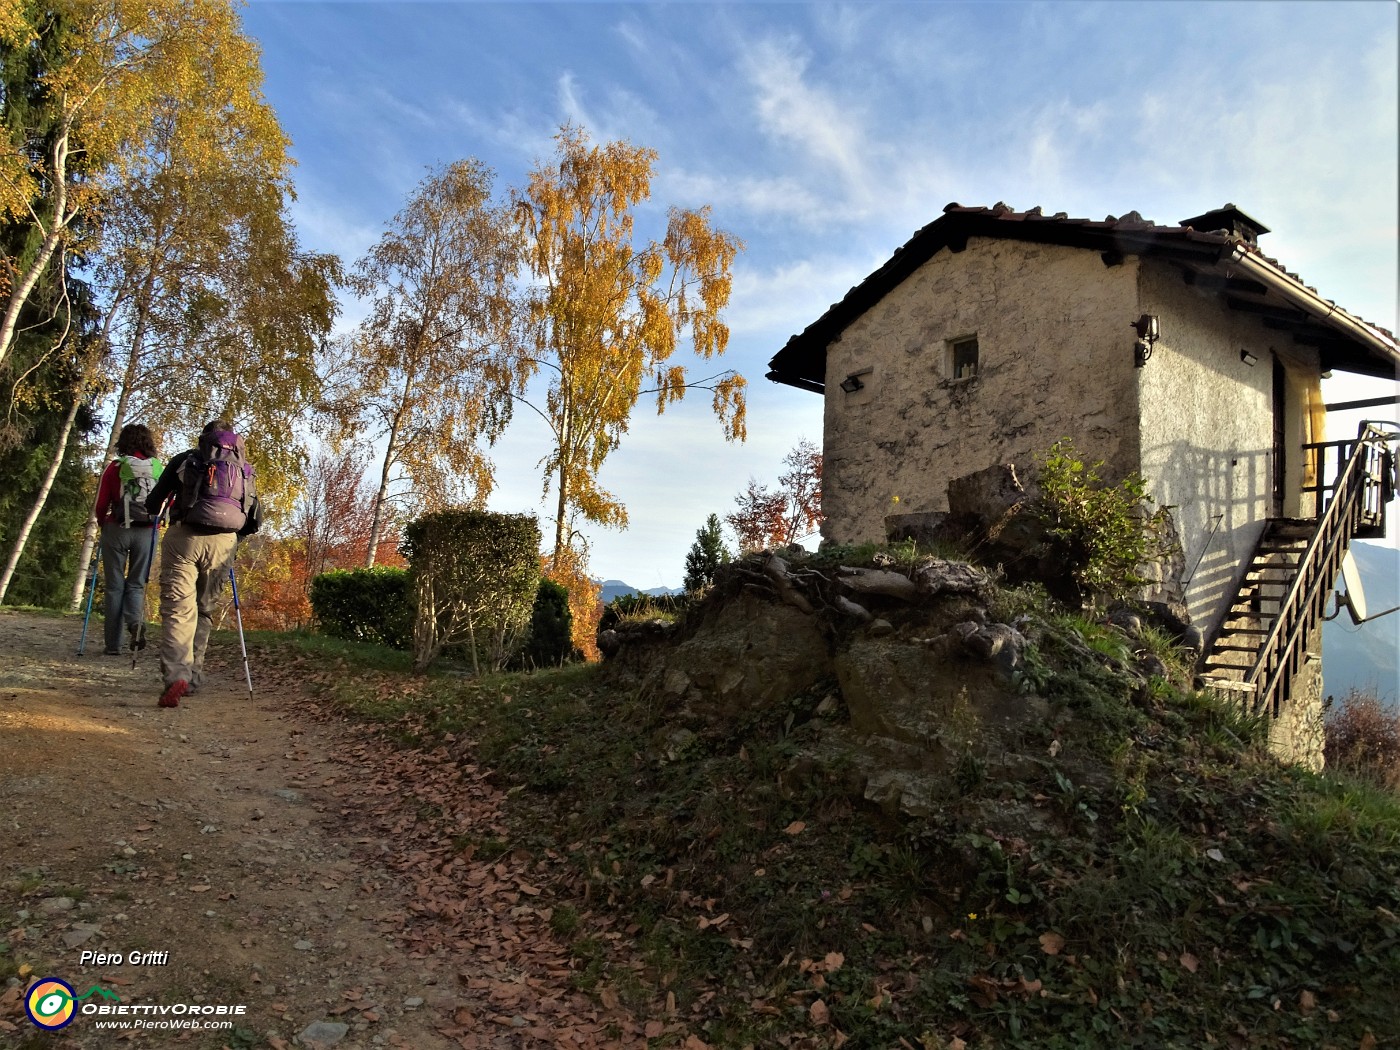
pixel 1228 219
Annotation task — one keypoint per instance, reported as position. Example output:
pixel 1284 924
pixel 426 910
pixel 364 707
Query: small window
pixel 962 357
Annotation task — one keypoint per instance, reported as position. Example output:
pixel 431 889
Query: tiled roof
pixel 801 362
pixel 1134 223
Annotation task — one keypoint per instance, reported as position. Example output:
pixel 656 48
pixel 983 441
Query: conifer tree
pixel 706 555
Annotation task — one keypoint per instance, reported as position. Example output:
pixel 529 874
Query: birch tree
pixel 434 357
pixel 608 311
pixel 118 63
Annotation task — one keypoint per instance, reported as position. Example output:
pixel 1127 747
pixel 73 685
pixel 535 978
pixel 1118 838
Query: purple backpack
pixel 216 482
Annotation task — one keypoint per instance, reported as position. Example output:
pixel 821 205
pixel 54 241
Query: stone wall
pixel 1296 735
pixel 1055 360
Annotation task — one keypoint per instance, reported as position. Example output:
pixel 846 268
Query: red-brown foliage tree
pixel 767 518
pixel 329 529
pixel 1363 738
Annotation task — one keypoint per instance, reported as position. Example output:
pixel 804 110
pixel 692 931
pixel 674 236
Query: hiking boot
pixel 111 652
pixel 173 692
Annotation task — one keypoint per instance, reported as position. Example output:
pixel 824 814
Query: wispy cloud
pixel 820 126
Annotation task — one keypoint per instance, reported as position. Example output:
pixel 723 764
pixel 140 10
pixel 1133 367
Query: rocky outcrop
pixel 996 517
pixel 924 670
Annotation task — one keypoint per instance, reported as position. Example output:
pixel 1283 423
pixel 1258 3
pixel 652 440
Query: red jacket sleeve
pixel 109 491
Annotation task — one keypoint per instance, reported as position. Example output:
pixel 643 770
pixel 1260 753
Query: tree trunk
pixel 561 537
pixel 382 496
pixel 138 339
pixel 42 498
pixel 19 294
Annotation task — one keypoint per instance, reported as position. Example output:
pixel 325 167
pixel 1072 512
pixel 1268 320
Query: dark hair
pixel 135 437
pixel 216 424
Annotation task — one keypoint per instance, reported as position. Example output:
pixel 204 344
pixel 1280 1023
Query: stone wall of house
pixel 1296 735
pixel 1207 430
pixel 1055 360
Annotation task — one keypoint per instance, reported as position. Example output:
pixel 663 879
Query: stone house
pixel 1181 352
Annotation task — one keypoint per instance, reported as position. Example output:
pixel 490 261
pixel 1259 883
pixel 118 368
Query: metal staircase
pixel 1261 644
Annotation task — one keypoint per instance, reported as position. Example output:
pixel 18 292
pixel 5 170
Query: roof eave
pixel 1381 356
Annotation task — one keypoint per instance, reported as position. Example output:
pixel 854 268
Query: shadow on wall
pixel 1219 500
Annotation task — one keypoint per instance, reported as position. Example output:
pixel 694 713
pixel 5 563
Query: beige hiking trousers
pixel 193 567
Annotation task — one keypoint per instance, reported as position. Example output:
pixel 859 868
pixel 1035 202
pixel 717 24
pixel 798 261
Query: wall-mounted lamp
pixel 1248 358
pixel 852 382
pixel 1327 374
pixel 1146 328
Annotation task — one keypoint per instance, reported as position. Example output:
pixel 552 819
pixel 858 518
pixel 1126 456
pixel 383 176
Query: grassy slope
pixel 1150 879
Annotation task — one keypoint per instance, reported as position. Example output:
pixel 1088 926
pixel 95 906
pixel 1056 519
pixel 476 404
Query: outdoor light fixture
pixel 852 382
pixel 1248 358
pixel 1146 328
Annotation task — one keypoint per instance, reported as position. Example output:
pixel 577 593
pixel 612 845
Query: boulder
pixel 935 576
pixel 989 495
pixel 748 652
pixel 877 581
pixel 925 528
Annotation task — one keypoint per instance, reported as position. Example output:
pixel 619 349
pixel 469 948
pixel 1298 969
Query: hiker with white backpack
pixel 213 503
pixel 125 547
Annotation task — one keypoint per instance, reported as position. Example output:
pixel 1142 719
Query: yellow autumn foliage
pixel 607 313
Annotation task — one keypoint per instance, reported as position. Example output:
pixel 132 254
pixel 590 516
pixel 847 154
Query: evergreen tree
pixel 549 643
pixel 706 555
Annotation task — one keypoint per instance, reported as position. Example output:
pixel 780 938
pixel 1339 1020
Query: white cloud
pixel 784 300
pixel 795 111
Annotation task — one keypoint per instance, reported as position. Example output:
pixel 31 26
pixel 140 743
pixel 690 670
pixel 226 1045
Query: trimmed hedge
pixel 365 605
pixel 474 577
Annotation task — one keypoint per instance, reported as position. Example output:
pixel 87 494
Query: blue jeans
pixel 126 564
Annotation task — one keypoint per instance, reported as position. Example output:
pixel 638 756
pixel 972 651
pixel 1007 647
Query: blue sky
pixel 824 135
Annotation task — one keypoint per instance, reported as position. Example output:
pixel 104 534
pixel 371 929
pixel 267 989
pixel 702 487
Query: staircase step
pixel 1294 525
pixel 1235 648
pixel 1230 667
pixel 1228 684
pixel 1247 630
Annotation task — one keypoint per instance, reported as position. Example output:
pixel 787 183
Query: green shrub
pixel 1102 533
pixel 364 605
pixel 705 557
pixel 474 575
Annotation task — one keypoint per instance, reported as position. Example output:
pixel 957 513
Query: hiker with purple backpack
pixel 213 504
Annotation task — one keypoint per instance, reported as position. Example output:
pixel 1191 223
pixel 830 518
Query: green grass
pixel 1152 880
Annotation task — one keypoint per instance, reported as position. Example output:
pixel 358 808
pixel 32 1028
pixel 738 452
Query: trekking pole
pixel 96 560
pixel 238 612
pixel 138 641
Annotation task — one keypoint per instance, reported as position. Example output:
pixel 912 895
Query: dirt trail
pixel 245 852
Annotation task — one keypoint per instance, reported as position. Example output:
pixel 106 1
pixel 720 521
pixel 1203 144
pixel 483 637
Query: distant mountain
pixel 1367 657
pixel 616 589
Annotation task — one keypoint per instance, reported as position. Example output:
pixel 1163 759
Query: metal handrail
pixel 1355 495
